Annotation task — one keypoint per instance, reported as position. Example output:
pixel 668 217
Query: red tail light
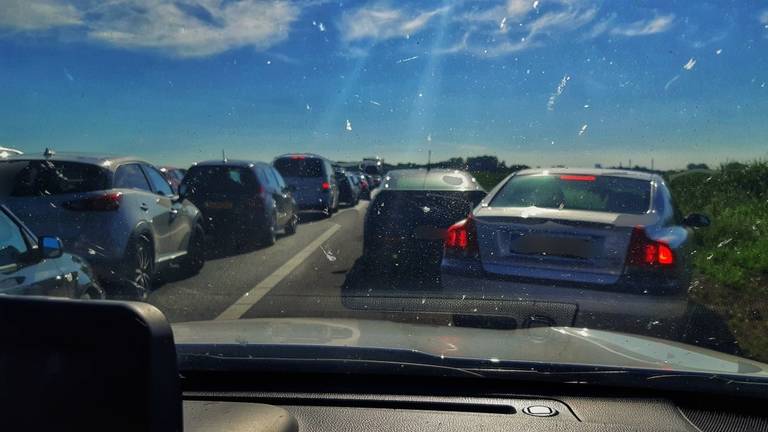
pixel 325 186
pixel 461 239
pixel 645 252
pixel 106 202
pixel 570 177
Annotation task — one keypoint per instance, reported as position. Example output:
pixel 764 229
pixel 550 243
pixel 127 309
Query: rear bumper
pixel 317 204
pixel 614 307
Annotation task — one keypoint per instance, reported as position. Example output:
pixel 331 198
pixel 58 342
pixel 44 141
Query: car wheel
pixel 141 267
pixel 291 227
pixel 194 260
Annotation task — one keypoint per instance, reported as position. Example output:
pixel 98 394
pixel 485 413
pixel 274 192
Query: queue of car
pixel 124 223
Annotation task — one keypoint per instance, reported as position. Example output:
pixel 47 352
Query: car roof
pixel 232 162
pixel 433 179
pixel 640 175
pixel 305 155
pixel 103 160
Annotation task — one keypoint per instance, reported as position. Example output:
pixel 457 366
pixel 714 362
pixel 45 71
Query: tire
pixel 140 269
pixel 194 260
pixel 292 225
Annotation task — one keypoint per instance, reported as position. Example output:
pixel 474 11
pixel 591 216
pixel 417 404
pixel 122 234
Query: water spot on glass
pixel 724 242
pixel 583 129
pixel 691 63
pixel 269 62
pixel 348 126
pixel 719 51
pixel 406 60
pixel 558 91
pixel 373 102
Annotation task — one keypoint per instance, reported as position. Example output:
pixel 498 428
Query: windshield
pixel 589 173
pixel 41 178
pixel 219 179
pixel 290 167
pixel 577 192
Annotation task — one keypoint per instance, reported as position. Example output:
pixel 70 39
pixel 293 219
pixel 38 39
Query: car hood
pixel 561 345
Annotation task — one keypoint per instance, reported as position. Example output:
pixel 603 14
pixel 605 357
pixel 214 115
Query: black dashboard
pixel 355 403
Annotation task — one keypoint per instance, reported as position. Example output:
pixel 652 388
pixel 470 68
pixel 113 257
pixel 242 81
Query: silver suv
pixel 119 213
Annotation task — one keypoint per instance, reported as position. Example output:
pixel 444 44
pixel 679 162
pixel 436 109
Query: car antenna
pixel 223 156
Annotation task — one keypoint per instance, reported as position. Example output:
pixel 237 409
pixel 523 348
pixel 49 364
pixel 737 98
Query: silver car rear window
pixel 576 192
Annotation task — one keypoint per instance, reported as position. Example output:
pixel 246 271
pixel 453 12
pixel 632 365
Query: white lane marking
pixel 244 303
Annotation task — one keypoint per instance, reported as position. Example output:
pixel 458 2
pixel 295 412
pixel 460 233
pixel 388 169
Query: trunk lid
pixel 561 245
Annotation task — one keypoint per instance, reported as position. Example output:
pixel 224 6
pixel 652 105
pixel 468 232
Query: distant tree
pixel 693 166
pixel 483 163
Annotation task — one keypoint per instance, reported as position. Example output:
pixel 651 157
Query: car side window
pixel 159 184
pixel 131 176
pixel 263 178
pixel 12 242
pixel 279 178
pixel 276 179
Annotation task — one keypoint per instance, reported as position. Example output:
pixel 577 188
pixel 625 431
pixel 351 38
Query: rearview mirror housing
pixel 696 220
pixel 50 247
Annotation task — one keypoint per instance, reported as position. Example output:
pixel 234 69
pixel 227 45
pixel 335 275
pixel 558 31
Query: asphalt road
pixel 319 272
pixel 312 273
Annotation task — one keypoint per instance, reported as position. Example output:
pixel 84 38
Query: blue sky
pixel 545 82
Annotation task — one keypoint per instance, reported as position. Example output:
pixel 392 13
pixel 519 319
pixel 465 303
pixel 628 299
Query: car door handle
pixel 144 206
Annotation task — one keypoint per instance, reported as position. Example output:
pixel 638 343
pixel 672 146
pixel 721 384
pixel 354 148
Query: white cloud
pixel 27 15
pixel 182 28
pixel 519 8
pixel 380 23
pixel 658 24
pixel 193 29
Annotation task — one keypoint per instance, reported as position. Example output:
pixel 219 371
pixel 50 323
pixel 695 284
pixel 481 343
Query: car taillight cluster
pixel 461 239
pixel 646 252
pixel 106 202
pixel 325 186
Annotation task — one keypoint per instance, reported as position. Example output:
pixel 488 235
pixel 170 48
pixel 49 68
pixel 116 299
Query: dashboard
pixel 348 403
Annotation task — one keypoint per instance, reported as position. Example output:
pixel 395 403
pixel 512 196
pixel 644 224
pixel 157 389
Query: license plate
pixel 554 246
pixel 218 204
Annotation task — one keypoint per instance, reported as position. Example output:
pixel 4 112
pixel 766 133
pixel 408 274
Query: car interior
pixel 112 366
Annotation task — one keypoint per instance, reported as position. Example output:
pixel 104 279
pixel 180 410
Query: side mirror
pixel 50 247
pixel 696 220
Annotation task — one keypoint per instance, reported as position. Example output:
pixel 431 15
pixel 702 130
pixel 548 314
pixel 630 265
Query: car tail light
pixel 298 157
pixel 325 186
pixel 461 239
pixel 106 202
pixel 645 252
pixel 570 177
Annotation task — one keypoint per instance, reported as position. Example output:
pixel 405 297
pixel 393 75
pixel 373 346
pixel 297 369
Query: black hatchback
pixel 241 199
pixel 410 213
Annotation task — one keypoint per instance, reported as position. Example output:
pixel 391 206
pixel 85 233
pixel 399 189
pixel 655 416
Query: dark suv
pixel 241 199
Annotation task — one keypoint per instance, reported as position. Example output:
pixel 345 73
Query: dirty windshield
pixel 494 179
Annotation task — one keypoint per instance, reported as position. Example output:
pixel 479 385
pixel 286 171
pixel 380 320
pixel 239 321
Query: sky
pixel 536 82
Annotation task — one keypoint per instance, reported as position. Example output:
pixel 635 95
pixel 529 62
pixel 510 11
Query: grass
pixel 731 256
